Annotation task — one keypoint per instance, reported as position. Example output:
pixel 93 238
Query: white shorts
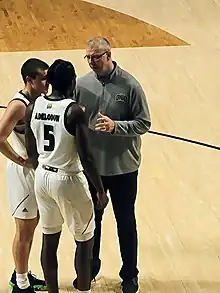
pixel 20 190
pixel 63 197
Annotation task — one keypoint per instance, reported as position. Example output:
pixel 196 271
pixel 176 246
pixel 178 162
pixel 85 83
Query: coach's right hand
pixel 102 201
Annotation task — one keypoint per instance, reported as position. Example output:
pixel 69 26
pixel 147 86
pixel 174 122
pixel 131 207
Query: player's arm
pixel 14 112
pixel 30 141
pixel 79 128
pixel 83 148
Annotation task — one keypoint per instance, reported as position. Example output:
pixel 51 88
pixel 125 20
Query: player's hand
pixel 26 163
pixel 104 123
pixel 102 201
pixel 20 161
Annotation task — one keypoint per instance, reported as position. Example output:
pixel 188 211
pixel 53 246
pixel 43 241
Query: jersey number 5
pixel 49 137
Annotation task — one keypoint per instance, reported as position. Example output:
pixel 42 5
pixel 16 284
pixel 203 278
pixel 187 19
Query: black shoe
pixel 36 284
pixel 130 286
pixel 18 290
pixel 96 265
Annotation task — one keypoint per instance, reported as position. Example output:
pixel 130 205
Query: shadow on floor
pixel 111 285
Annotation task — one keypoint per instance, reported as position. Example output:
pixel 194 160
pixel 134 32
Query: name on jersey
pixel 50 117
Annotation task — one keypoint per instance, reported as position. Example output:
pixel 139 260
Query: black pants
pixel 123 191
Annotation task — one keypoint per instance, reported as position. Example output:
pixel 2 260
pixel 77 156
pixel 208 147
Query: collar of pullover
pixel 108 77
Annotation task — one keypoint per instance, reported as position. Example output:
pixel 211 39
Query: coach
pixel 118 115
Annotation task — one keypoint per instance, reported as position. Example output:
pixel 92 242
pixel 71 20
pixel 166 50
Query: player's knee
pixel 84 237
pixel 52 230
pixel 25 229
pixel 85 248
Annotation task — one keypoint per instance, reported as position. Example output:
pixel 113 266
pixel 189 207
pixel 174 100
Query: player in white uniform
pixel 57 144
pixel 20 174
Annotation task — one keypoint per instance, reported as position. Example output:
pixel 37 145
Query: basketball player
pixel 20 177
pixel 118 115
pixel 56 137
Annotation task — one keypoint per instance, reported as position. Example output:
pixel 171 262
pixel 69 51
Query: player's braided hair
pixel 61 74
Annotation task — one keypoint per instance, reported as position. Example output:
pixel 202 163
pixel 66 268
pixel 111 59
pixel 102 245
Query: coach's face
pixel 39 84
pixel 98 59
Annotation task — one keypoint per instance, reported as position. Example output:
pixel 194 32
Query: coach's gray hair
pixel 99 42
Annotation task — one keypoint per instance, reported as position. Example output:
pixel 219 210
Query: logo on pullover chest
pixel 121 98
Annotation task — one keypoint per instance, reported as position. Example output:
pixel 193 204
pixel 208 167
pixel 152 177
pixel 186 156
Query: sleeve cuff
pixel 114 130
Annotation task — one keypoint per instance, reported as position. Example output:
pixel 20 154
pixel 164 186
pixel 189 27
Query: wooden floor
pixel 174 51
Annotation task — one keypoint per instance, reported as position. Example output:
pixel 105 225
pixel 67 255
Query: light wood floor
pixel 175 53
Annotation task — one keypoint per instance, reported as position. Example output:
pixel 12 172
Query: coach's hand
pixel 102 201
pixel 104 123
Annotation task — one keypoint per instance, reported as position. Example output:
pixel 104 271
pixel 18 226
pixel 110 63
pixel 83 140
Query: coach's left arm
pixel 30 141
pixel 139 122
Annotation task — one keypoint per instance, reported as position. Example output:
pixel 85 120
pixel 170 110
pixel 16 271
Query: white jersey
pixel 17 137
pixel 55 145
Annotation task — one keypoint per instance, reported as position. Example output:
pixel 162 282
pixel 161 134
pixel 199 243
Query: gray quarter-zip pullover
pixel 120 97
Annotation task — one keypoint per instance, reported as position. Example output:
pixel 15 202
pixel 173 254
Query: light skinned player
pixel 22 201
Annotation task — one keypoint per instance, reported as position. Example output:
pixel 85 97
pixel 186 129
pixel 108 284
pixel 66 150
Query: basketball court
pixel 173 49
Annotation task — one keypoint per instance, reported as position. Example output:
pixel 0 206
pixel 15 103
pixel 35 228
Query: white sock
pixel 22 280
pixel 87 291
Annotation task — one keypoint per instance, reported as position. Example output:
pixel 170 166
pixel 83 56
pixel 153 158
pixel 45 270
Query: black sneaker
pixel 130 286
pixel 18 290
pixel 96 265
pixel 36 284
